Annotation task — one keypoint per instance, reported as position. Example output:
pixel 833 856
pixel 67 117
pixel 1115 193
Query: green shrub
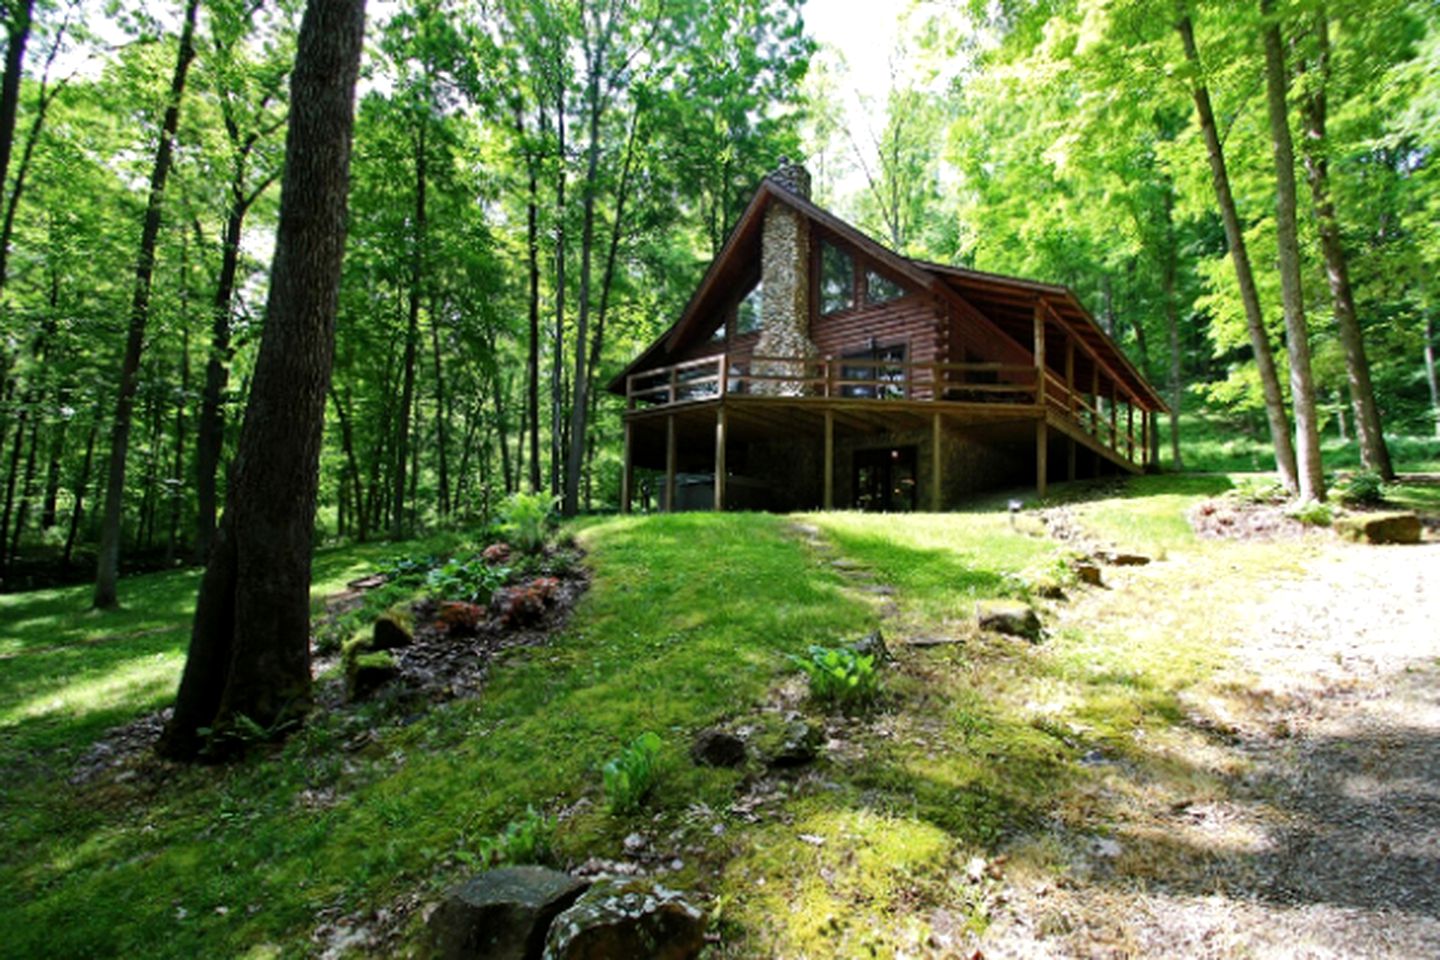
pixel 525 518
pixel 840 677
pixel 472 580
pixel 1260 490
pixel 526 840
pixel 629 777
pixel 1363 489
pixel 1312 513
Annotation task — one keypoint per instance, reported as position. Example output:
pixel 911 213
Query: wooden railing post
pixel 724 374
pixel 630 391
pixel 675 384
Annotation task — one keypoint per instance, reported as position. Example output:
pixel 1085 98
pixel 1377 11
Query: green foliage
pixel 526 840
pixel 631 775
pixel 471 580
pixel 1312 513
pixel 526 519
pixel 1365 488
pixel 1260 490
pixel 840 677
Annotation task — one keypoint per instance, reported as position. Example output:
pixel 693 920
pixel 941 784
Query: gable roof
pixel 997 300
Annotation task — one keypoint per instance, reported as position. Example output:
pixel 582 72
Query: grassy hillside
pixel 975 749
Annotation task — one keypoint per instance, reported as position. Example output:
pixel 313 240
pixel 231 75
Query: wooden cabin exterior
pixel 814 368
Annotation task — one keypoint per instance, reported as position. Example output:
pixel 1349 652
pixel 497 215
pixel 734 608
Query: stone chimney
pixel 785 288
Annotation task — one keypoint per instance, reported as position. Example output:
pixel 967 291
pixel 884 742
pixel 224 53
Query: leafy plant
pixel 525 518
pixel 524 840
pixel 1312 513
pixel 629 777
pixel 526 603
pixel 471 580
pixel 840 677
pixel 1363 489
pixel 1259 490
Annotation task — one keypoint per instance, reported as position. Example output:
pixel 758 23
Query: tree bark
pixel 107 569
pixel 557 358
pixel 18 30
pixel 442 416
pixel 250 646
pixel 78 510
pixel 1244 274
pixel 532 361
pixel 1297 335
pixel 1374 453
pixel 398 525
pixel 177 492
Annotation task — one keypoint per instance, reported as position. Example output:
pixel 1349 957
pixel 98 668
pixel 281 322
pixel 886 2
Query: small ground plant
pixel 631 775
pixel 472 580
pixel 840 677
pixel 525 518
pixel 1363 489
pixel 526 840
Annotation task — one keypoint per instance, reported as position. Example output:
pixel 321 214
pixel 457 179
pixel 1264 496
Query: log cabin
pixel 815 368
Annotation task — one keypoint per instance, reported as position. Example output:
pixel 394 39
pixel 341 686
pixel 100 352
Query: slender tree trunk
pixel 50 504
pixel 250 648
pixel 557 357
pixel 26 488
pixel 532 361
pixel 78 510
pixel 1244 274
pixel 177 492
pixel 18 30
pixel 1374 453
pixel 1430 373
pixel 12 476
pixel 442 439
pixel 1168 269
pixel 412 336
pixel 107 568
pixel 1297 335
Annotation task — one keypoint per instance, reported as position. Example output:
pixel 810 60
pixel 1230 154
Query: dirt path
pixel 1322 838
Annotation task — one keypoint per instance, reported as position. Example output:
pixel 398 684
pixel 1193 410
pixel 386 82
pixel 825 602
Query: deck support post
pixel 1114 431
pixel 1042 456
pixel 937 456
pixel 1071 455
pixel 829 501
pixel 627 474
pixel 670 453
pixel 1130 431
pixel 1095 401
pixel 720 458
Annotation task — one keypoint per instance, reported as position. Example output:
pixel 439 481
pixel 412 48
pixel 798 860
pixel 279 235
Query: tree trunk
pixel 250 647
pixel 50 504
pixel 532 362
pixel 412 335
pixel 1297 335
pixel 1168 269
pixel 177 490
pixel 1374 453
pixel 442 417
pixel 1430 373
pixel 1244 274
pixel 26 488
pixel 12 476
pixel 78 510
pixel 18 30
pixel 557 358
pixel 107 568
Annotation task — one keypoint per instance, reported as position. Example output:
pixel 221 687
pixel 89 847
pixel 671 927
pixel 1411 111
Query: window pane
pixel 837 280
pixel 747 317
pixel 881 289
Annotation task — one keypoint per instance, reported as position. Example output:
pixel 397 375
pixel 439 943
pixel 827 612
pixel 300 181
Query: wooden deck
pixel 750 397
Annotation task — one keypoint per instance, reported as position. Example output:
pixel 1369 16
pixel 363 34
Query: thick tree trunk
pixel 1244 274
pixel 107 568
pixel 1430 373
pixel 250 647
pixel 1297 334
pixel 398 525
pixel 1374 453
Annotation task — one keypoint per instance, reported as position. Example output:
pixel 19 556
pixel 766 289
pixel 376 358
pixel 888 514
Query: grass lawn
pixel 974 750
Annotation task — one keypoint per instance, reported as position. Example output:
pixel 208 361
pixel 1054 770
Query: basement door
pixel 885 479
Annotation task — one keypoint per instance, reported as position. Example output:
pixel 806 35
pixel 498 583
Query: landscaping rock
pixel 501 914
pixel 873 645
pixel 1379 527
pixel 1011 617
pixel 366 673
pixel 797 745
pixel 717 748
pixel 627 920
pixel 1088 573
pixel 393 629
pixel 934 641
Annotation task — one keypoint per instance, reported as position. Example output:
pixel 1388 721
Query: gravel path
pixel 1324 841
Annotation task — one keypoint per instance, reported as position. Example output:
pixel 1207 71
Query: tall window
pixel 837 279
pixel 747 315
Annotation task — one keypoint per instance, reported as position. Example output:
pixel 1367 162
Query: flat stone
pixel 877 589
pixel 933 641
pixel 1379 527
pixel 1012 617
pixel 1116 558
pixel 502 914
pixel 845 563
pixel 627 920
pixel 717 748
pixel 1088 573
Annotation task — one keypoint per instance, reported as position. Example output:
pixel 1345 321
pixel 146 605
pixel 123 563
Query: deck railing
pixel 843 378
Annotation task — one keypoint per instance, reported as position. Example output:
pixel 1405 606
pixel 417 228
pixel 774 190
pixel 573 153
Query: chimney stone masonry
pixel 785 291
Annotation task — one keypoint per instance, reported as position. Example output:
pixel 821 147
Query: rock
pixel 1379 527
pixel 717 748
pixel 629 920
pixel 501 914
pixel 1088 573
pixel 845 564
pixel 933 641
pixel 1117 559
pixel 873 645
pixel 1011 617
pixel 393 629
pixel 797 744
pixel 367 672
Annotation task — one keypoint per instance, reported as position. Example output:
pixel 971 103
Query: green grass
pixel 1216 445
